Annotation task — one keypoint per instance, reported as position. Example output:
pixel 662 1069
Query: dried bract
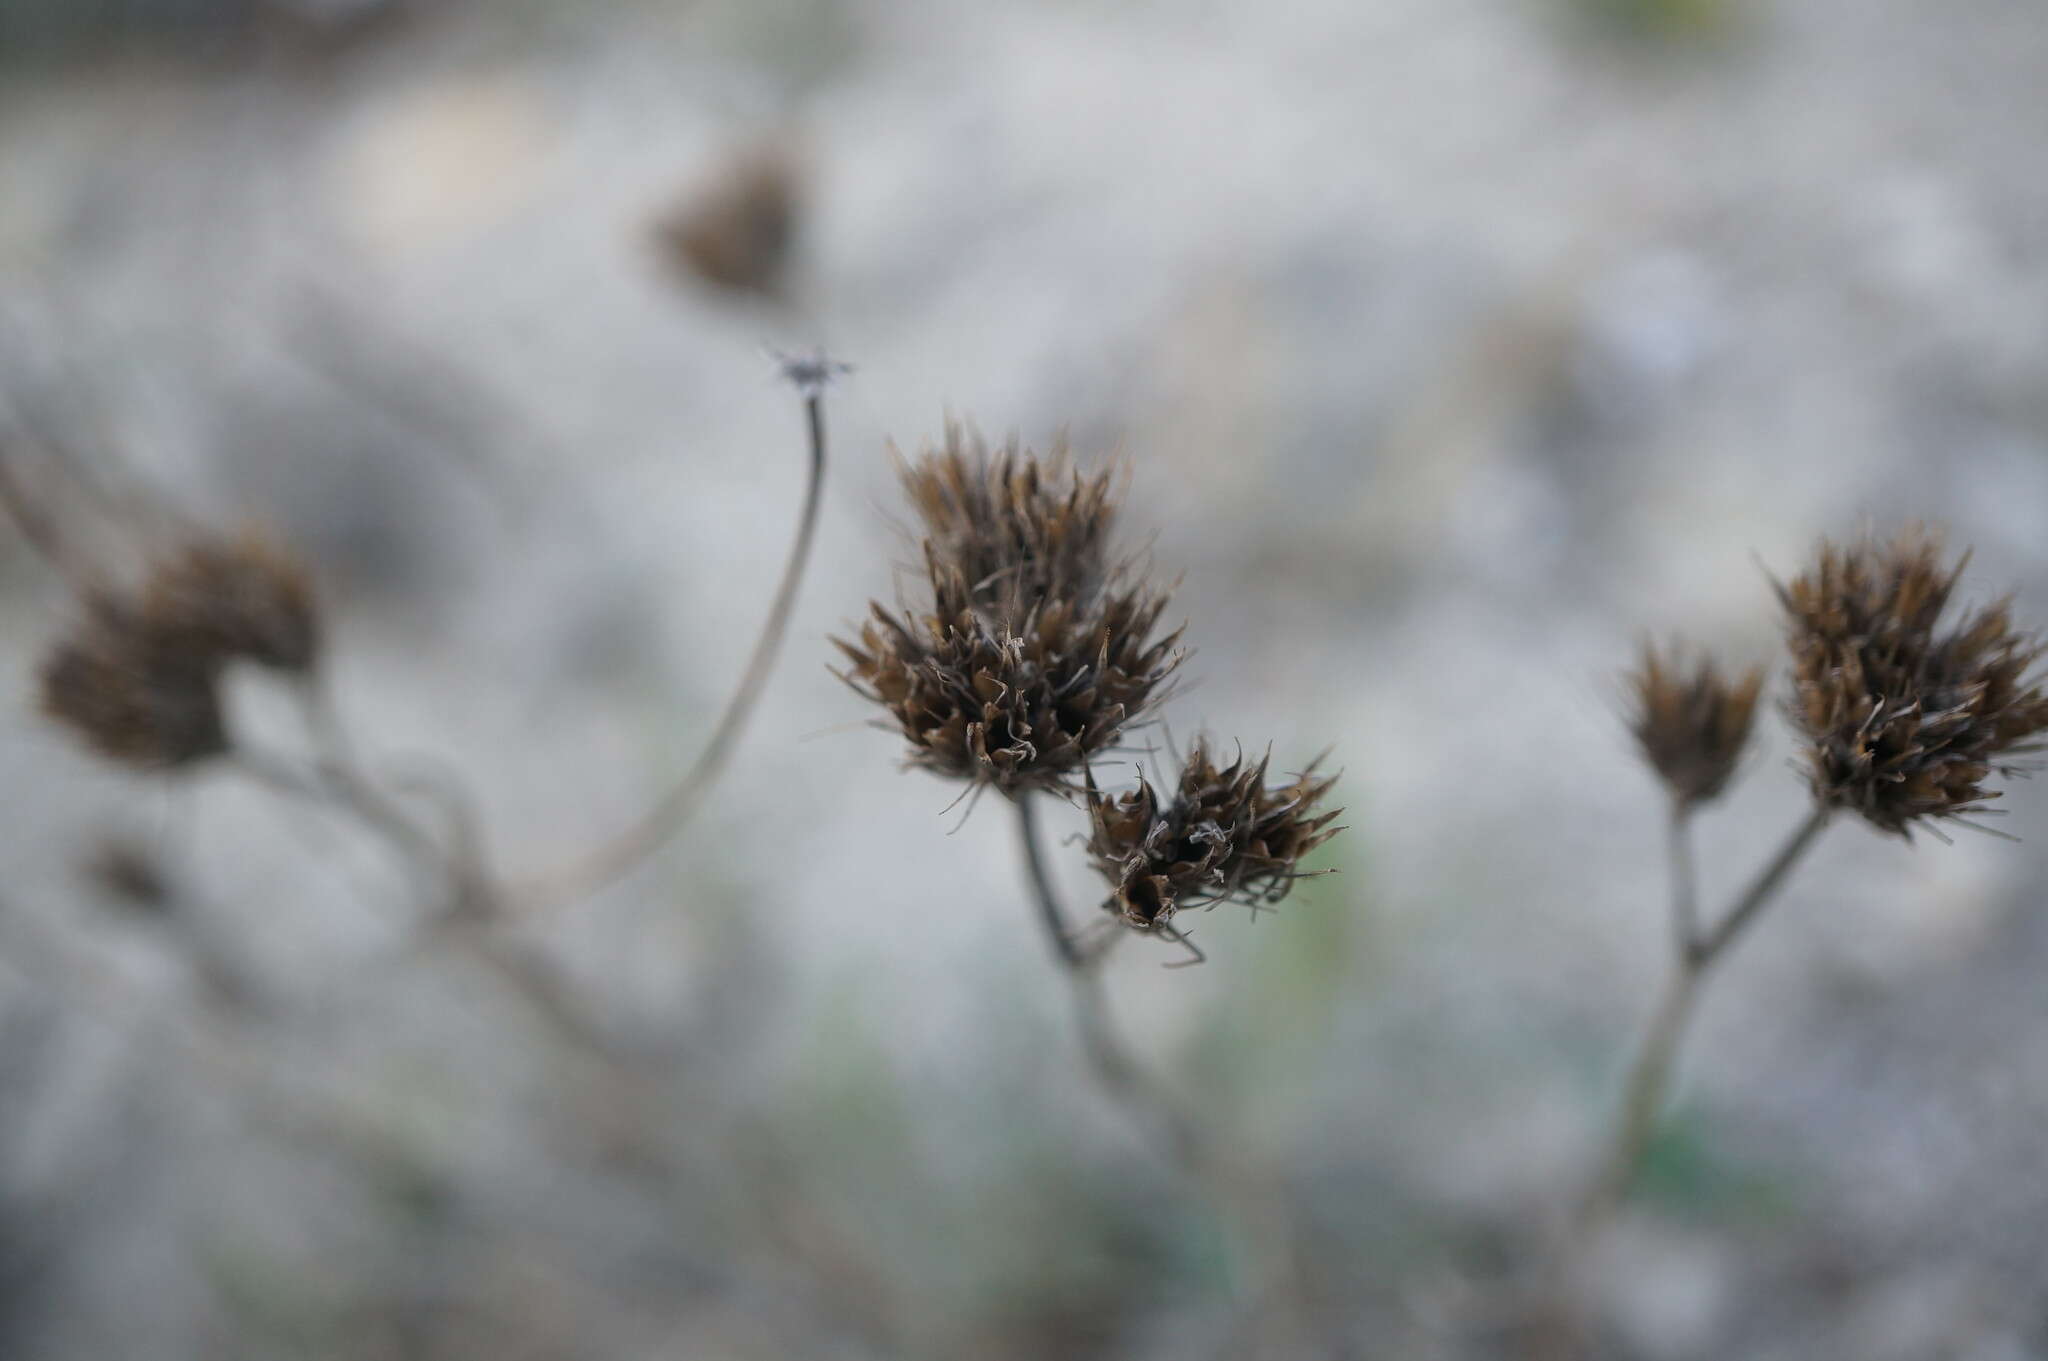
pixel 1018 702
pixel 1692 724
pixel 1904 721
pixel 1018 527
pixel 136 694
pixel 1226 836
pixel 245 597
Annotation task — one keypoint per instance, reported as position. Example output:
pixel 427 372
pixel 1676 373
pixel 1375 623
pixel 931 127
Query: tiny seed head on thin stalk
pixel 136 693
pixel 1225 836
pixel 1906 722
pixel 1692 722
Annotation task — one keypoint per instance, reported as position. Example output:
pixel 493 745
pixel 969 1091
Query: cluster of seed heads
pixel 1904 721
pixel 138 678
pixel 1037 648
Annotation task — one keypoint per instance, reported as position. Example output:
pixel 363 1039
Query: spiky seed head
pixel 134 693
pixel 1017 526
pixel 1017 702
pixel 1904 720
pixel 1691 722
pixel 244 596
pixel 1225 836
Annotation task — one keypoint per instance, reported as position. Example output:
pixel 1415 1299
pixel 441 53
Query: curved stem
pixel 1685 910
pixel 669 815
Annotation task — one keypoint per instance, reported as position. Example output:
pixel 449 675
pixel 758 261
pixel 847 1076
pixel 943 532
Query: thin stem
pixel 1762 889
pixel 670 814
pixel 1119 1074
pixel 1650 1078
pixel 1049 914
pixel 1685 896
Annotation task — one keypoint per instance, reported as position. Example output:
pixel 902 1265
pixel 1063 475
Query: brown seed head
pixel 133 692
pixel 1692 723
pixel 1017 701
pixel 244 597
pixel 1016 526
pixel 736 232
pixel 1902 721
pixel 1226 836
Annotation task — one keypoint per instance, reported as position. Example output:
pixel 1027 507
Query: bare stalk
pixel 673 811
pixel 1695 956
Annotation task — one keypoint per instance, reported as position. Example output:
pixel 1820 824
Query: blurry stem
pixel 673 811
pixel 1685 911
pixel 1158 1118
pixel 1650 1078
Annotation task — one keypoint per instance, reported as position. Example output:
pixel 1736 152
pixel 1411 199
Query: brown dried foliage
pixel 1904 721
pixel 1227 836
pixel 139 678
pixel 1692 724
pixel 1015 701
pixel 737 232
pixel 137 694
pixel 244 597
pixel 1016 526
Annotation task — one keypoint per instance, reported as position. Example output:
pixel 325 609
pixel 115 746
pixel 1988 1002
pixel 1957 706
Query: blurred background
pixel 1455 346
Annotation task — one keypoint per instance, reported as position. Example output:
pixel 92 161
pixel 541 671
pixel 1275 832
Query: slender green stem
pixel 674 809
pixel 1685 896
pixel 1762 889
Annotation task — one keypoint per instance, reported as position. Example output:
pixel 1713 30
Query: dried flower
pixel 1693 724
pixel 244 597
pixel 1016 526
pixel 134 692
pixel 1018 702
pixel 737 231
pixel 1227 836
pixel 1903 722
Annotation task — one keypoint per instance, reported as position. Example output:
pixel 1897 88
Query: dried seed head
pixel 1019 702
pixel 1692 723
pixel 1903 722
pixel 135 693
pixel 1016 526
pixel 737 231
pixel 245 597
pixel 1226 836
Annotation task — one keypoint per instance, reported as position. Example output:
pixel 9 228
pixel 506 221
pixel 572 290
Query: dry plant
pixel 1035 650
pixel 1906 722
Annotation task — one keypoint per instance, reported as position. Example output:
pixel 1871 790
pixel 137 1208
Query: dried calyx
pixel 138 679
pixel 1039 648
pixel 1692 722
pixel 1905 720
pixel 1225 836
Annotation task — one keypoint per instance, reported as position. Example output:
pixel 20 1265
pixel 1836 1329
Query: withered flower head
pixel 243 597
pixel 1692 723
pixel 1018 701
pixel 1903 720
pixel 1226 836
pixel 1016 526
pixel 135 693
pixel 736 232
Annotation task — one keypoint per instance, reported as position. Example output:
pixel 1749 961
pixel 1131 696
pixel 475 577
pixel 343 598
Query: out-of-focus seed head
pixel 1904 721
pixel 243 597
pixel 1692 722
pixel 736 232
pixel 1225 836
pixel 1021 701
pixel 136 694
pixel 1016 526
